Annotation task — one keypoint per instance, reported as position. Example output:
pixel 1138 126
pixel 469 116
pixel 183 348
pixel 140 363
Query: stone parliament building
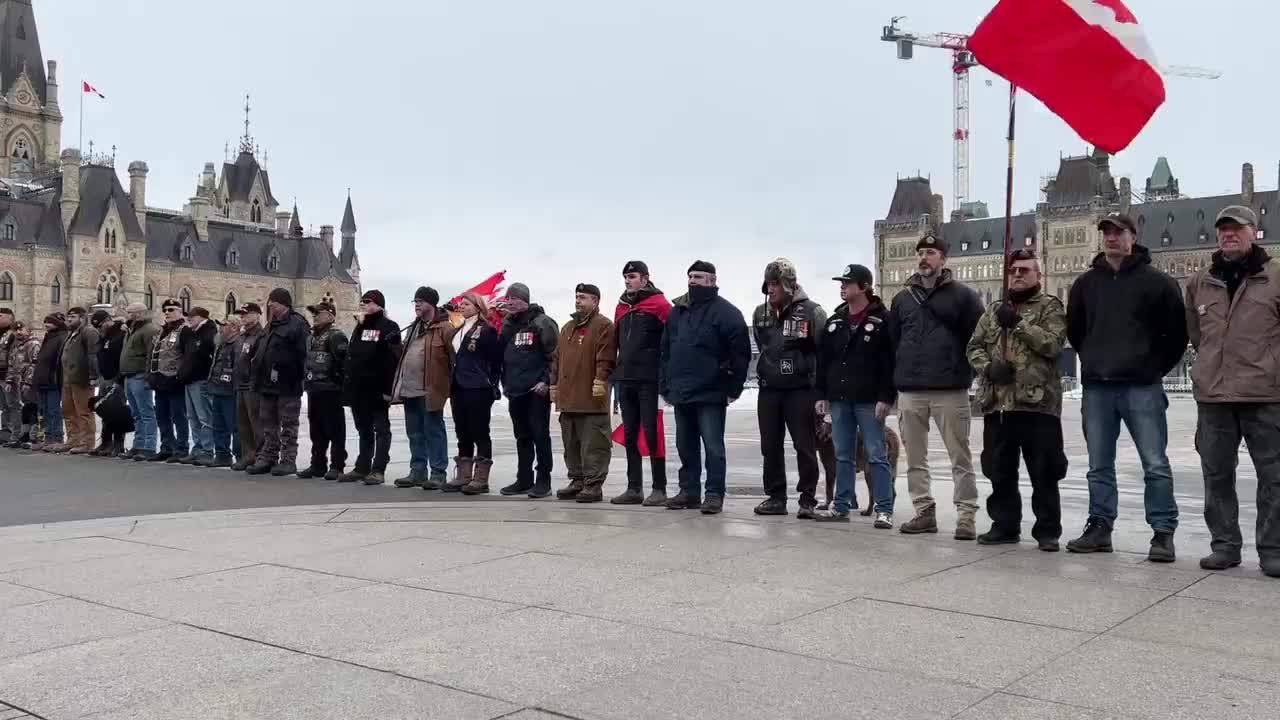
pixel 1178 230
pixel 71 234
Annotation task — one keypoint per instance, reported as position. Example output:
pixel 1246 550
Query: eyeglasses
pixel 1021 270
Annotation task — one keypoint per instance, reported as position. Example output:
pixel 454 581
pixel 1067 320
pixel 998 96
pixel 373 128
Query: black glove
pixel 1007 317
pixel 1000 372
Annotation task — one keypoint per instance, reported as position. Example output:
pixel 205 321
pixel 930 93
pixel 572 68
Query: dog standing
pixel 827 453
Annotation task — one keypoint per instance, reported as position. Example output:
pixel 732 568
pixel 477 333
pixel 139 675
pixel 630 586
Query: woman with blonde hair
pixel 477 368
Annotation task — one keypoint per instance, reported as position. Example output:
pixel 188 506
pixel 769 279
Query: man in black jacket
pixel 788 327
pixel 48 380
pixel 706 351
pixel 248 401
pixel 855 382
pixel 110 343
pixel 639 319
pixel 931 322
pixel 1127 321
pixel 529 340
pixel 278 368
pixel 372 357
pixel 326 420
pixel 167 350
pixel 193 373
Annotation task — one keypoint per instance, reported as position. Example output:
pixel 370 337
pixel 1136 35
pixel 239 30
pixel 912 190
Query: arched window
pixel 21 150
pixel 6 286
pixel 184 299
pixel 231 304
pixel 55 291
pixel 255 212
pixel 233 258
pixel 188 251
pixel 149 298
pixel 8 231
pixel 109 240
pixel 108 288
pixel 273 262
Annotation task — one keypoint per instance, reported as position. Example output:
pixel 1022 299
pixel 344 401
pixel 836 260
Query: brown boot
pixel 571 491
pixel 592 492
pixel 965 528
pixel 463 470
pixel 479 484
pixel 925 521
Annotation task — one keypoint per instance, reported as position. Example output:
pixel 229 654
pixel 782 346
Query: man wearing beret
pixel 372 358
pixel 587 356
pixel 706 352
pixel 279 369
pixel 931 321
pixel 1232 321
pixel 529 340
pixel 1127 321
pixel 422 385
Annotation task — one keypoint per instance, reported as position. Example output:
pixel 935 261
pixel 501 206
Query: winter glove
pixel 1007 317
pixel 599 388
pixel 1000 372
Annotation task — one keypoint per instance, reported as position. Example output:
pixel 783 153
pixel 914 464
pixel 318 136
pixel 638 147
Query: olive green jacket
pixel 1033 348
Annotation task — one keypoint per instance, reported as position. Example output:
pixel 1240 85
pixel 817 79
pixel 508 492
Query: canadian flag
pixel 91 89
pixel 1086 60
pixel 491 289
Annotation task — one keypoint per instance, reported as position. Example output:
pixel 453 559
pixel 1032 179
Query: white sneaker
pixel 884 521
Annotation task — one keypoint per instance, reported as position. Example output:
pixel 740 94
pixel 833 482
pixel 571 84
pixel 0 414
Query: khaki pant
pixel 82 427
pixel 950 412
pixel 588 446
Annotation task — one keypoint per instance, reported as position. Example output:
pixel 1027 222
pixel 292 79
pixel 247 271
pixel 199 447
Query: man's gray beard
pixel 927 271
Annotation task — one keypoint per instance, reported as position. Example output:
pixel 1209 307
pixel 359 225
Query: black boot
pixel 1220 560
pixel 516 488
pixel 1162 547
pixel 684 501
pixel 772 506
pixel 1096 538
pixel 312 471
pixel 631 496
pixel 997 536
pixel 541 488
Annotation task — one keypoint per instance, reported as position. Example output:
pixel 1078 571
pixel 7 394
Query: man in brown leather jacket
pixel 1232 322
pixel 587 357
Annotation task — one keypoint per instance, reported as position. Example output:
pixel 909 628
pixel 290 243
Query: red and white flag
pixel 1087 60
pixel 91 89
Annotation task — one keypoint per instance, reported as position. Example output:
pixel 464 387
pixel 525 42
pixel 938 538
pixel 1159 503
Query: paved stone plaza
pixel 417 606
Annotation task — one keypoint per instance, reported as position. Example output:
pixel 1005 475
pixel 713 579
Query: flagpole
pixel 81 145
pixel 1008 217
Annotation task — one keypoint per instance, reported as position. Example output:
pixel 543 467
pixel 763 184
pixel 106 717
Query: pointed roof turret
pixel 348 218
pixel 295 225
pixel 20 47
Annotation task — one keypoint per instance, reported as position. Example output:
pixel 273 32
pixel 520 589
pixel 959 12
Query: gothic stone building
pixel 1063 229
pixel 70 233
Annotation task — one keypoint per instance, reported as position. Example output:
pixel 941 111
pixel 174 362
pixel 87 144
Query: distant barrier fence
pixel 1172 386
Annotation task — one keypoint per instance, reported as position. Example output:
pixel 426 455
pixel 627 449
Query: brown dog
pixel 827 453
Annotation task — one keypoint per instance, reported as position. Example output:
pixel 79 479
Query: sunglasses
pixel 1021 270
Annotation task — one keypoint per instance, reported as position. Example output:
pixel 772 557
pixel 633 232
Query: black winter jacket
pixel 372 357
pixel 706 350
pixel 931 330
pixel 528 351
pixel 855 363
pixel 197 356
pixel 478 362
pixel 281 356
pixel 787 341
pixel 1129 327
pixel 639 321
pixel 222 372
pixel 326 359
pixel 48 373
pixel 109 346
pixel 247 344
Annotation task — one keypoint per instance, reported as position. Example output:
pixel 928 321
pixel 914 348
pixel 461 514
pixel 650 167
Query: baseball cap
pixel 1118 220
pixel 249 308
pixel 1237 214
pixel 855 273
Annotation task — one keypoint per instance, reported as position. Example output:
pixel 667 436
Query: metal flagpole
pixel 1008 216
pixel 80 147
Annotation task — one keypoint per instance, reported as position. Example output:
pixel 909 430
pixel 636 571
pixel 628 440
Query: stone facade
pixel 71 234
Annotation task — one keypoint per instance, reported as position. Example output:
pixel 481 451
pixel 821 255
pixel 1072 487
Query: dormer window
pixel 1027 241
pixel 273 262
pixel 255 212
pixel 109 240
pixel 8 231
pixel 1166 239
pixel 986 244
pixel 233 258
pixel 1204 237
pixel 188 251
pixel 964 246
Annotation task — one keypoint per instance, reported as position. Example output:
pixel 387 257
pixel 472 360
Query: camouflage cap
pixel 781 271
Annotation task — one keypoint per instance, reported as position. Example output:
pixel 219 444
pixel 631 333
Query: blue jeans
pixel 171 417
pixel 701 426
pixel 428 441
pixel 50 404
pixel 200 417
pixel 1142 410
pixel 846 420
pixel 142 406
pixel 222 409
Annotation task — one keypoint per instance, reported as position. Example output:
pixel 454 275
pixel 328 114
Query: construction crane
pixel 962 61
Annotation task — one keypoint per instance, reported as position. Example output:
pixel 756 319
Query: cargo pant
pixel 950 412
pixel 279 416
pixel 11 418
pixel 1219 429
pixel 588 446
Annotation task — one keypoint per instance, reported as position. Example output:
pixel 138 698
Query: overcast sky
pixel 557 139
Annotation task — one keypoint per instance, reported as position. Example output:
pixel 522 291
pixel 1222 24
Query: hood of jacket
pixel 1138 257
pixel 647 299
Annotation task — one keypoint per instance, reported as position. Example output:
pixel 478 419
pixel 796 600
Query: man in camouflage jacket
pixel 1014 352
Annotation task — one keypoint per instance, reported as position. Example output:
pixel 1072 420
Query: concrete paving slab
pixel 1056 602
pixel 399 560
pixel 693 544
pixel 1114 569
pixel 266 543
pixel 156 526
pixel 32 628
pixel 533 578
pixel 1001 706
pixel 15 596
pixel 380 626
pixel 977 651
pixel 450 508
pixel 545 653
pixel 519 535
pixel 317 689
pixel 731 682
pixel 92 578
pixel 23 555
pixel 93 677
pixel 1221 627
pixel 1148 681
pixel 1253 590
pixel 228 592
